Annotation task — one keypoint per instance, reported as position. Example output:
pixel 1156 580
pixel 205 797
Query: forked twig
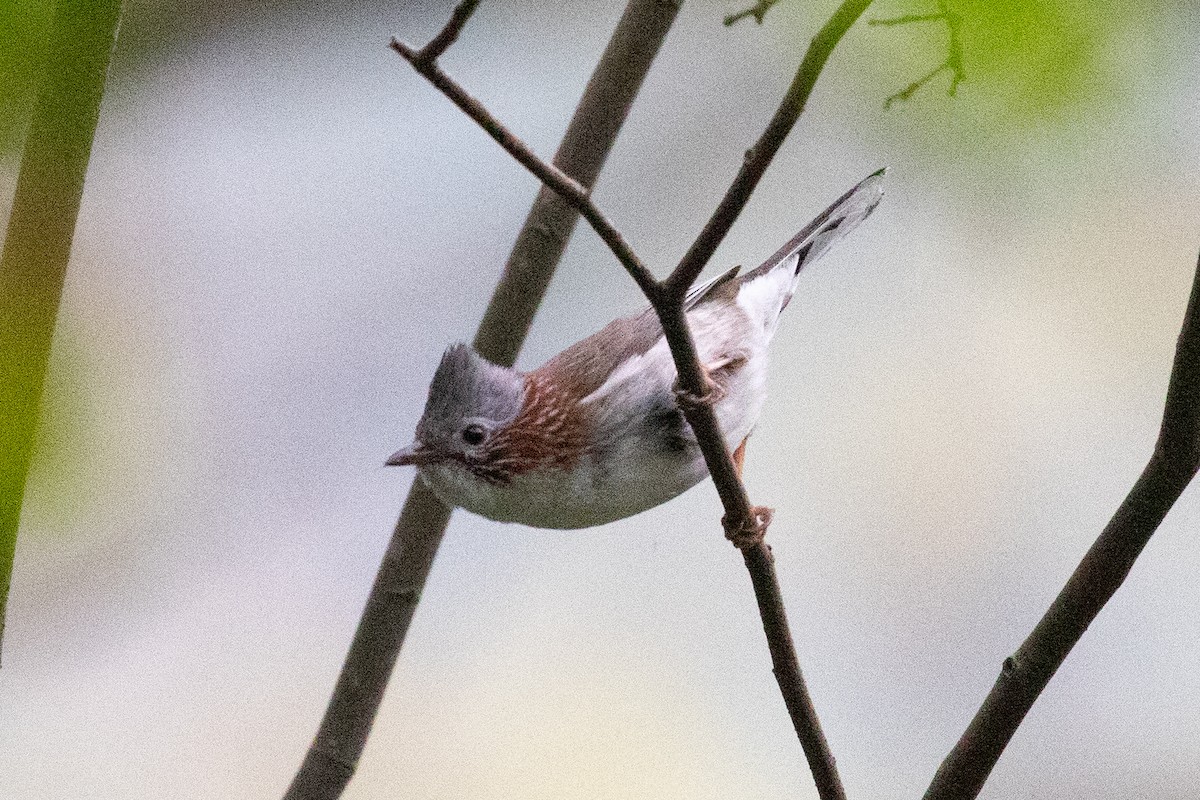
pixel 758 11
pixel 447 36
pixel 667 298
pixel 1024 675
pixel 567 187
pixel 954 51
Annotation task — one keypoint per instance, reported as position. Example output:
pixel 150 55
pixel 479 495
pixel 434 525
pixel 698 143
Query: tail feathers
pixel 827 228
pixel 765 291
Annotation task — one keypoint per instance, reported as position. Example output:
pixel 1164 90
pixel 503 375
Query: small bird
pixel 595 434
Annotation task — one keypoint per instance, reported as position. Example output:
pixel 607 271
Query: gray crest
pixel 467 386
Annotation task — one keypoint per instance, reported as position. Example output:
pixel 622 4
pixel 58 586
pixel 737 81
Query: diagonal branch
pixel 744 524
pixel 566 186
pixel 1024 675
pixel 334 754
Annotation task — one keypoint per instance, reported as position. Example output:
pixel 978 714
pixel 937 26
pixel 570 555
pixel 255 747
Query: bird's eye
pixel 473 434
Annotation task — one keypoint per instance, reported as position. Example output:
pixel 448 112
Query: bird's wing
pixel 586 365
pixel 698 294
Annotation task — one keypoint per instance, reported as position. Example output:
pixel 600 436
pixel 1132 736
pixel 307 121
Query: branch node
pixel 750 532
pixel 547 232
pixel 449 34
pixel 407 51
pixel 758 11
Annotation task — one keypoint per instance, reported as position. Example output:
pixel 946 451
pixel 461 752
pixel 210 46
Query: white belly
pixel 585 496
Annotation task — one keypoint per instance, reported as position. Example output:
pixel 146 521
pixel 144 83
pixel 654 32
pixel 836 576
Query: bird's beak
pixel 415 454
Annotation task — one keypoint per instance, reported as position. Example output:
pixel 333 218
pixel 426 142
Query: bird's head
pixel 470 401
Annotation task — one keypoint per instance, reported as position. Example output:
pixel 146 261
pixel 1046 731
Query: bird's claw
pixel 689 401
pixel 750 532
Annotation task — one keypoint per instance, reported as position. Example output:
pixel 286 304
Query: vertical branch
pixel 1103 569
pixel 38 244
pixel 334 754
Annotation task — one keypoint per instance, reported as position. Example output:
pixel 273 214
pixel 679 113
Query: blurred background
pixel 283 227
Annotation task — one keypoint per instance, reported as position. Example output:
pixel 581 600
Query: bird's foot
pixel 689 401
pixel 751 532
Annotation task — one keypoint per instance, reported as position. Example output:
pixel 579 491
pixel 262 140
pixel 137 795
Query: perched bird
pixel 595 433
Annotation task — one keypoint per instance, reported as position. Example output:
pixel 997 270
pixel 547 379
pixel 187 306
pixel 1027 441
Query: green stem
pixel 38 244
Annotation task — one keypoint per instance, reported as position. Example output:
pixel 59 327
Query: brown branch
pixel 38 244
pixel 1024 675
pixel 449 34
pixel 744 524
pixel 954 52
pixel 548 174
pixel 740 514
pixel 333 757
pixel 758 11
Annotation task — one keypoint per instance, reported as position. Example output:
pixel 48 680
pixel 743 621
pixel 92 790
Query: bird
pixel 596 433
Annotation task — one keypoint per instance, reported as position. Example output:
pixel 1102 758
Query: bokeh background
pixel 283 226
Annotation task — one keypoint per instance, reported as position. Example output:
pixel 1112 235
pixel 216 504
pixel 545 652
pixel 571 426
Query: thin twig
pixel 449 34
pixel 334 754
pixel 954 51
pixel 759 157
pixel 547 173
pixel 38 244
pixel 758 11
pixel 908 91
pixel 906 19
pixel 1024 675
pixel 744 523
pixel 740 515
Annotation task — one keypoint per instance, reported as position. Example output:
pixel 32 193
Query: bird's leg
pixel 739 456
pixel 750 534
pixel 713 391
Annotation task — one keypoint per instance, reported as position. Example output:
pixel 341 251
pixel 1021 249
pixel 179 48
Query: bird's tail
pixel 775 281
pixel 827 228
